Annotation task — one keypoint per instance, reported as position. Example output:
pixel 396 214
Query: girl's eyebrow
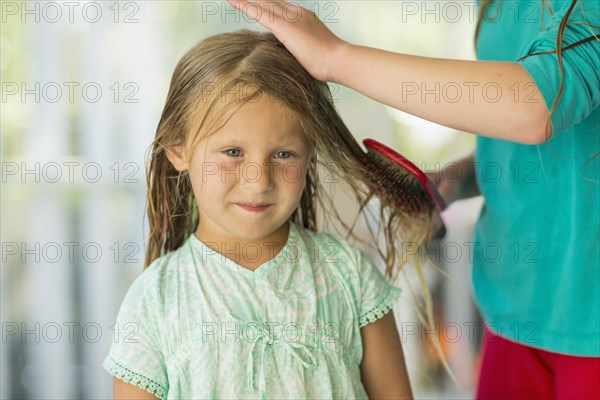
pixel 290 141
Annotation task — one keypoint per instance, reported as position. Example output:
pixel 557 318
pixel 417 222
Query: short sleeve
pixel 135 355
pixel 376 295
pixel 581 94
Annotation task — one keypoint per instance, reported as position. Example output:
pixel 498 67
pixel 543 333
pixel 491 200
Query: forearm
pixel 468 184
pixel 494 99
pixel 456 181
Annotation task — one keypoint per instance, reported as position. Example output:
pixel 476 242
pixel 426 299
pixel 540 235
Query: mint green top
pixel 536 264
pixel 196 325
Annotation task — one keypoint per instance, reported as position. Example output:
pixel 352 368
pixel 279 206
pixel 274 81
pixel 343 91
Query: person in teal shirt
pixel 536 272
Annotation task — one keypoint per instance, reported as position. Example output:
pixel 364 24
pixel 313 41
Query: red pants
pixel 511 370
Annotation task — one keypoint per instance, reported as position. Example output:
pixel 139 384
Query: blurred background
pixel 83 85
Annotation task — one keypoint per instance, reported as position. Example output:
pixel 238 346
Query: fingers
pixel 268 12
pixel 242 5
pixel 264 12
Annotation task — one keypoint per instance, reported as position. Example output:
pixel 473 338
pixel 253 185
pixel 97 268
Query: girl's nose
pixel 258 177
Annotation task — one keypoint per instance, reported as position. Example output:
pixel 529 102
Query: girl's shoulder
pixel 160 268
pixel 352 270
pixel 154 283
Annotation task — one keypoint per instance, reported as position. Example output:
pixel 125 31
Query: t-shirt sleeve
pixel 581 94
pixel 376 295
pixel 135 355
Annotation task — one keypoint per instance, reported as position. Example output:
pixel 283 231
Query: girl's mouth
pixel 254 207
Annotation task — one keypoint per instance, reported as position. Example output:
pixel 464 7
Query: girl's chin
pixel 263 232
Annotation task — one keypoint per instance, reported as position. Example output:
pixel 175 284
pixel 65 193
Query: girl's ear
pixel 177 157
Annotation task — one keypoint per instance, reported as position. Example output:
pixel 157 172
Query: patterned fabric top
pixel 197 325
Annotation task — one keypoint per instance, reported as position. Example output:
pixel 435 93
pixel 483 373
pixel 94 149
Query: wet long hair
pixel 215 78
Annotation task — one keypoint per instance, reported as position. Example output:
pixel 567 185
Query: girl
pixel 241 297
pixel 542 298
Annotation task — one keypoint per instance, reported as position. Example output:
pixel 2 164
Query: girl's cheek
pixel 228 172
pixel 293 173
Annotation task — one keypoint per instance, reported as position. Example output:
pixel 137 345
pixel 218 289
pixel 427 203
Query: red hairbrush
pixel 402 182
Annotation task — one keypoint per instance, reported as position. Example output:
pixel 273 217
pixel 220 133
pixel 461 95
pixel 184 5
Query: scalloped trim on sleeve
pixel 126 375
pixel 381 309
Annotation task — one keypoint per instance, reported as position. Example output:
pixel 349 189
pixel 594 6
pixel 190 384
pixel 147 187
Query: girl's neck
pixel 249 254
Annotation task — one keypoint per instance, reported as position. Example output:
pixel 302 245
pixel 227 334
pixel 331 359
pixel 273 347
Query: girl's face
pixel 248 176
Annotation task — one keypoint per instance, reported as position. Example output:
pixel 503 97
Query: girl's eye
pixel 233 152
pixel 283 154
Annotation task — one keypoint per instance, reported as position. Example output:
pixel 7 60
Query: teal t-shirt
pixel 196 325
pixel 536 272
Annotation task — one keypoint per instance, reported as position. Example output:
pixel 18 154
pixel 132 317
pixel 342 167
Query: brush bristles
pixel 394 184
